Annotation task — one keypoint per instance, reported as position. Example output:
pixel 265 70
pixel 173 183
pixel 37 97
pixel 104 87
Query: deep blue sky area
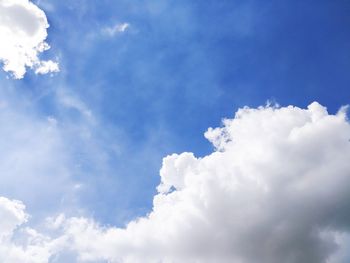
pixel 178 69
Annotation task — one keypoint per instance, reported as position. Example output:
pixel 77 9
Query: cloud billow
pixel 276 189
pixel 23 30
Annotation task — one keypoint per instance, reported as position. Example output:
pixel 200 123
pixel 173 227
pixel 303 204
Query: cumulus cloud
pixel 23 30
pixel 276 189
pixel 12 214
pixel 33 249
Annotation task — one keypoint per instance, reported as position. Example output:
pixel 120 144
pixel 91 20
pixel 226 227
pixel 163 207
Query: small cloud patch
pixel 116 29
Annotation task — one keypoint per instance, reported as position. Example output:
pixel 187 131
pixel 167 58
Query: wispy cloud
pixel 116 29
pixel 67 99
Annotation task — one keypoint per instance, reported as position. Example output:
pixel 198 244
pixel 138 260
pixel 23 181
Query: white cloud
pixel 276 190
pixel 11 214
pixel 23 30
pixel 34 247
pixel 118 28
pixel 45 67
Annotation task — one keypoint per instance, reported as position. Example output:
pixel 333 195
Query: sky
pixel 174 131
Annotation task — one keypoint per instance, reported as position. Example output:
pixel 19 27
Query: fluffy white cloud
pixel 275 190
pixel 11 214
pixel 32 248
pixel 23 32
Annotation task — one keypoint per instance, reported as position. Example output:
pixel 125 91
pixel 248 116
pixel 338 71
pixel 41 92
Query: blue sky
pixel 180 68
pixel 122 102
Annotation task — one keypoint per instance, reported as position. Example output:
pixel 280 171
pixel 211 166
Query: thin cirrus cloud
pixel 23 30
pixel 116 29
pixel 274 190
pixel 35 160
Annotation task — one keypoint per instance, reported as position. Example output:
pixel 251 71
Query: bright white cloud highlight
pixel 23 30
pixel 275 190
